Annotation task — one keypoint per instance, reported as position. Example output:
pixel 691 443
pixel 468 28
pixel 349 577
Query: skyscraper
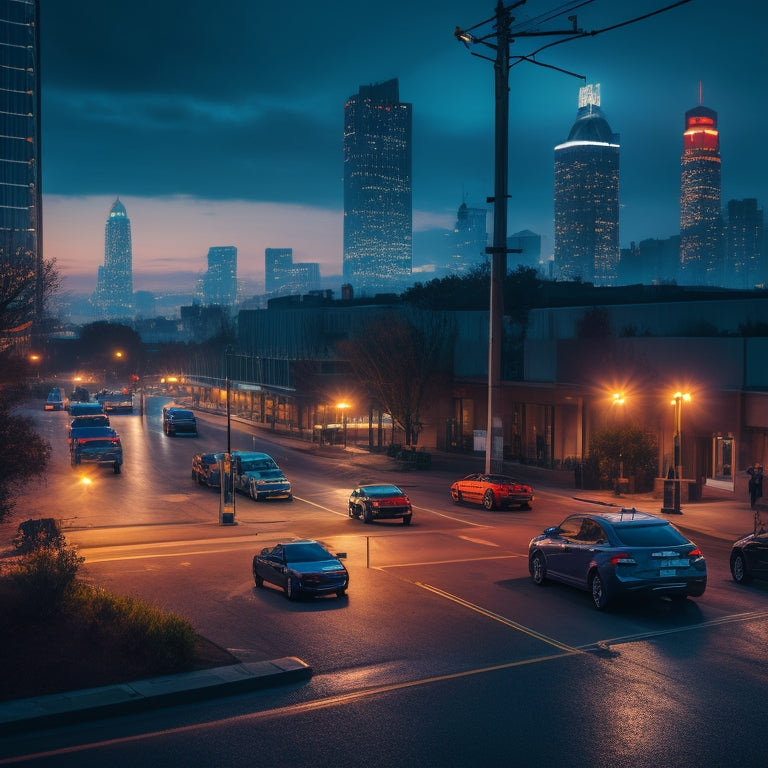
pixel 701 256
pixel 744 245
pixel 20 193
pixel 220 282
pixel 284 278
pixel 587 196
pixel 275 261
pixel 113 297
pixel 470 235
pixel 378 227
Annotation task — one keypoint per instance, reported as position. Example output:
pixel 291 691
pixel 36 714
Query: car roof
pixel 251 455
pixel 628 517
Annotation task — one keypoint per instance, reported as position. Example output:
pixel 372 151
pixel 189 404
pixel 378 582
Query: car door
pixel 275 571
pixel 471 488
pixel 757 555
pixel 581 551
pixel 557 547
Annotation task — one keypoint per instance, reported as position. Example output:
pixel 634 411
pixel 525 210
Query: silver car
pixel 616 554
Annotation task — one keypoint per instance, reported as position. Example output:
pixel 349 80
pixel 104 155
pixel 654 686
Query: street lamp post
pixel 494 443
pixel 343 408
pixel 677 401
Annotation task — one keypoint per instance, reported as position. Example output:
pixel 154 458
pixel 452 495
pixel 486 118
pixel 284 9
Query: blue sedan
pixel 617 554
pixel 301 568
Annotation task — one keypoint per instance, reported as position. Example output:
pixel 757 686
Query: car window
pixel 590 532
pixel 569 529
pixel 649 535
pixel 378 491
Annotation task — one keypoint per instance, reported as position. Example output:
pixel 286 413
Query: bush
pixel 45 578
pixel 34 534
pixel 165 639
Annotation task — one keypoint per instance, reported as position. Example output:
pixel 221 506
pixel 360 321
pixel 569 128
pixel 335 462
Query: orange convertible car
pixel 492 491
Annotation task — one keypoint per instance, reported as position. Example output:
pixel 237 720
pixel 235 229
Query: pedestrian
pixel 755 473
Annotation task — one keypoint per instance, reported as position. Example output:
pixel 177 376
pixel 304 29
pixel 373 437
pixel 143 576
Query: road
pixel 444 653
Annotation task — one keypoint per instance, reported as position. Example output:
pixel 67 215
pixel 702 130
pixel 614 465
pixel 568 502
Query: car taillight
pixel 623 559
pixel 695 552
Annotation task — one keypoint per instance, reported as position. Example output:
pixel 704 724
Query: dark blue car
pixel 617 554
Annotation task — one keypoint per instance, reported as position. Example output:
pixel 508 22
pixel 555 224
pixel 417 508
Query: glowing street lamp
pixel 677 400
pixel 343 408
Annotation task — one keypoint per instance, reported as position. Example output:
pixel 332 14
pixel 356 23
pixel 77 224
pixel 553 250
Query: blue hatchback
pixel 616 554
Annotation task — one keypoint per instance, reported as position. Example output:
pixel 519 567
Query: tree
pixel 397 358
pixel 630 448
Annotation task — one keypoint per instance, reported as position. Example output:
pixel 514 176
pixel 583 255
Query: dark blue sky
pixel 221 123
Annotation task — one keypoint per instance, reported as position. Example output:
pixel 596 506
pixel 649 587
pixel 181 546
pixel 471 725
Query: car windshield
pixel 501 480
pixel 182 414
pixel 661 535
pixel 380 491
pixel 306 553
pixel 271 474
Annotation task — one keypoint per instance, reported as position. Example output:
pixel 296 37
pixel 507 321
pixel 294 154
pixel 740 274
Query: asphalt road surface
pixel 443 653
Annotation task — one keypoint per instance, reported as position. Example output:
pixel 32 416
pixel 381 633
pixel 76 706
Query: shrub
pixel 34 534
pixel 165 639
pixel 45 578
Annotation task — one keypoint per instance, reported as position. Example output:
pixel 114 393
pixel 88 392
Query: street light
pixel 343 408
pixel 494 443
pixel 677 401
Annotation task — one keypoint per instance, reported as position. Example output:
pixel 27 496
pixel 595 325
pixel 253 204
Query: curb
pixel 92 703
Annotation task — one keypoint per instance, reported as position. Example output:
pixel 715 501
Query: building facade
pixel 113 297
pixel 587 196
pixel 220 282
pixel 20 160
pixel 701 252
pixel 378 217
pixel 283 277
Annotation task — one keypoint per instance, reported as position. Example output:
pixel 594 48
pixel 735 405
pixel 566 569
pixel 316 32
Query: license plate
pixel 667 572
pixel 677 563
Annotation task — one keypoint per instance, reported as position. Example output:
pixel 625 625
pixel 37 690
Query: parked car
pixel 492 491
pixel 749 557
pixel 54 401
pixel 85 409
pixel 96 445
pixel 380 502
pixel 258 476
pixel 205 468
pixel 299 568
pixel 617 554
pixel 179 421
pixel 116 402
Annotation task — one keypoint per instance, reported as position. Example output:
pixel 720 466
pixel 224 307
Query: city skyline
pixel 249 151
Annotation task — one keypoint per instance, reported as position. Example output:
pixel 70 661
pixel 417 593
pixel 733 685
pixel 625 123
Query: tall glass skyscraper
pixel 378 228
pixel 20 195
pixel 113 297
pixel 701 252
pixel 220 282
pixel 587 196
pixel 470 238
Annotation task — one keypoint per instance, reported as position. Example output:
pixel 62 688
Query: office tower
pixel 113 297
pixel 284 278
pixel 525 250
pixel 587 196
pixel 20 166
pixel 700 220
pixel 220 281
pixel 275 260
pixel 470 238
pixel 377 190
pixel 744 245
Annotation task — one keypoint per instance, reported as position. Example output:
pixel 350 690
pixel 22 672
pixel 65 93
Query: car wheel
pixel 537 567
pixel 341 593
pixel 599 591
pixel 739 571
pixel 290 590
pixel 351 511
pixel 407 520
pixel 489 502
pixel 116 468
pixel 258 580
pixel 367 516
pixel 456 496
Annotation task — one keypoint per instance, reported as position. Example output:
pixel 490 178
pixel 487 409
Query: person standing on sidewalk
pixel 755 473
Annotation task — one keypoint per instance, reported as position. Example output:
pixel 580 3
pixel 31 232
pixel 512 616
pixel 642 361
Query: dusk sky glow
pixel 221 124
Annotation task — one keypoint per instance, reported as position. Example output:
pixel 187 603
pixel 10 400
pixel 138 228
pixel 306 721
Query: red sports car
pixel 492 491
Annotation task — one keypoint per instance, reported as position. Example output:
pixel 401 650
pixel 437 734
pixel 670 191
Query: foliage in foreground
pixel 45 584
